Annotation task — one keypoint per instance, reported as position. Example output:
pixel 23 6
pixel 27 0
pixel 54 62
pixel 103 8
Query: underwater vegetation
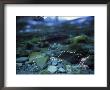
pixel 52 45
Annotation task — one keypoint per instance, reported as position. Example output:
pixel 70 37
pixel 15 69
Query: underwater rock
pixel 62 70
pixel 82 49
pixel 60 65
pixel 52 69
pixel 39 58
pixel 54 61
pixel 76 69
pixel 79 39
pixel 19 64
pixel 68 69
pixel 81 44
pixel 22 60
pixel 80 69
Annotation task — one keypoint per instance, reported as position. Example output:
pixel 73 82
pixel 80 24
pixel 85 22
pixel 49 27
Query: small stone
pixel 19 64
pixel 22 59
pixel 52 69
pixel 60 65
pixel 61 70
pixel 76 69
pixel 68 68
pixel 54 62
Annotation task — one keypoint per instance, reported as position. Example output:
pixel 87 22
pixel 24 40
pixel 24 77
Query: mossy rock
pixel 39 58
pixel 84 49
pixel 79 39
pixel 77 44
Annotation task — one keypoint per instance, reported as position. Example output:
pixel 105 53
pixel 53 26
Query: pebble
pixel 22 59
pixel 60 65
pixel 68 68
pixel 54 62
pixel 62 70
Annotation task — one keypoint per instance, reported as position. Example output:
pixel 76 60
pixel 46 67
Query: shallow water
pixel 56 49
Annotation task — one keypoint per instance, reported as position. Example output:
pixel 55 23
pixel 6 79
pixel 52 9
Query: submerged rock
pixel 68 69
pixel 19 64
pixel 79 39
pixel 62 70
pixel 54 61
pixel 61 65
pixel 76 69
pixel 39 58
pixel 52 69
pixel 22 60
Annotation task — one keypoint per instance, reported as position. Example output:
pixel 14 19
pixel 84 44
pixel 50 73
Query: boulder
pixel 79 39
